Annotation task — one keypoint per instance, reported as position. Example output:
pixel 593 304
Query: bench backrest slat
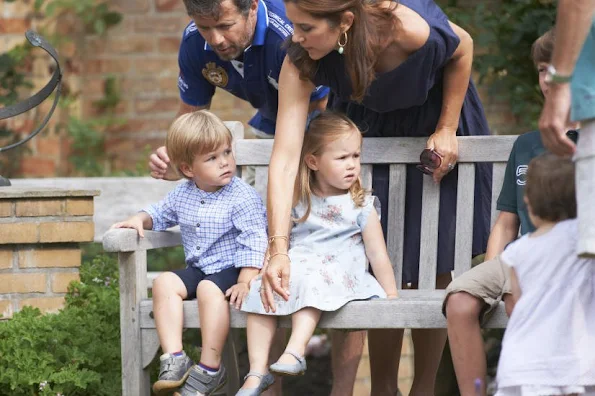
pixel 397 152
pixel 396 218
pixel 429 234
pixel 464 222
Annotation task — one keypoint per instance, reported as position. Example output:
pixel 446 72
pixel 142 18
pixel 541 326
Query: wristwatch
pixel 552 76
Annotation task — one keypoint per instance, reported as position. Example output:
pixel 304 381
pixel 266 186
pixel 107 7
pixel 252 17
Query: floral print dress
pixel 329 267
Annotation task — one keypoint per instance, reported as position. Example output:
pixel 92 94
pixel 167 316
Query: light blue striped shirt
pixel 222 229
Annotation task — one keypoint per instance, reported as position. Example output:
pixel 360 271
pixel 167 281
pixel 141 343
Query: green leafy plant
pixel 74 352
pixel 503 33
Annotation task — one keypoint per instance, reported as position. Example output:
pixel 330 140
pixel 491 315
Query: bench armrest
pixel 127 240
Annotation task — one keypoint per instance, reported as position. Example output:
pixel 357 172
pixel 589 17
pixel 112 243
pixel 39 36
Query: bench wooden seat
pixel 414 309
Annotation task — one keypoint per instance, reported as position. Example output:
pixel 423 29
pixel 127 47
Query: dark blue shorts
pixel 192 276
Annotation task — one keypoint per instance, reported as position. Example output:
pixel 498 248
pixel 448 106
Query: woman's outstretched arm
pixel 294 100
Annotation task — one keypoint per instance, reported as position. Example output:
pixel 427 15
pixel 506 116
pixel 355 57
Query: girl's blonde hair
pixel 323 130
pixel 193 134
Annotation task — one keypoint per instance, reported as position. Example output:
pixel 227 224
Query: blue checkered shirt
pixel 222 229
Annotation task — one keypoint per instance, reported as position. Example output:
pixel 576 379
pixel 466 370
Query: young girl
pixel 336 230
pixel 549 345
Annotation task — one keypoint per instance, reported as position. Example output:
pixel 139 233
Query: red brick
pixel 130 6
pixel 168 86
pixel 6 208
pixel 161 24
pixel 39 207
pixel 168 44
pixel 150 106
pixel 90 109
pixel 157 66
pixel 102 66
pixel 6 258
pixel 14 25
pixel 131 45
pixel 47 256
pixel 169 6
pixel 38 167
pixel 142 125
pixel 19 233
pixel 75 231
pixel 49 146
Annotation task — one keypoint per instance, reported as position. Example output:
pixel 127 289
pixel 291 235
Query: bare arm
pixel 159 160
pixel 378 256
pixel 515 286
pixel 572 26
pixel 294 97
pixel 505 230
pixel 456 81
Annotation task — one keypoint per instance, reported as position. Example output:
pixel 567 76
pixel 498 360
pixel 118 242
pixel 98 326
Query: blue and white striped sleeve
pixel 249 217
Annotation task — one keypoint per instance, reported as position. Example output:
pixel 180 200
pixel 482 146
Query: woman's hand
pixel 444 142
pixel 275 280
pixel 237 294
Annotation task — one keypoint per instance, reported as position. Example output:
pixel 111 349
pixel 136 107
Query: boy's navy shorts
pixel 192 276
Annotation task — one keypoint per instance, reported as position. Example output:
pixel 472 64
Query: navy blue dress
pixel 407 102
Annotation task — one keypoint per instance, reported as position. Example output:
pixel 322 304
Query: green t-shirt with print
pixel 525 148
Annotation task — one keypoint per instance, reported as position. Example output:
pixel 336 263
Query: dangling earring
pixel 342 45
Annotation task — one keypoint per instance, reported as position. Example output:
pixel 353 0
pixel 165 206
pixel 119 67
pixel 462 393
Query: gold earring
pixel 342 45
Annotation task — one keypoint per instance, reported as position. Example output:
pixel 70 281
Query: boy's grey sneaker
pixel 199 382
pixel 173 371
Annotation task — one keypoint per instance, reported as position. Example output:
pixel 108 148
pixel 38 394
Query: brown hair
pixel 550 187
pixel 543 47
pixel 373 26
pixel 193 134
pixel 323 130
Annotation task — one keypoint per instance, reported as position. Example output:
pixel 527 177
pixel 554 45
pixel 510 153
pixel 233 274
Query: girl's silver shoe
pixel 265 383
pixel 298 368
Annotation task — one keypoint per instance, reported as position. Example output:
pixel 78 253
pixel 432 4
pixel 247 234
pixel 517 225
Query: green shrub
pixel 73 352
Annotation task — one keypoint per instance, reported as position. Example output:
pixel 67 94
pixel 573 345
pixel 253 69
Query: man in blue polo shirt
pixel 235 45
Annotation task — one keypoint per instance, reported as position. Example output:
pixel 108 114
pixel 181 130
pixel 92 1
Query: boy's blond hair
pixel 193 134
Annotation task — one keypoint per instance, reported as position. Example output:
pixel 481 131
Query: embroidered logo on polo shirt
pixel 521 175
pixel 216 75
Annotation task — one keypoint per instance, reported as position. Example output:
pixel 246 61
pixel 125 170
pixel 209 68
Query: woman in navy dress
pixel 396 69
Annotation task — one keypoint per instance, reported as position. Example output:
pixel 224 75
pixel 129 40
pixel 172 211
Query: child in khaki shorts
pixel 471 297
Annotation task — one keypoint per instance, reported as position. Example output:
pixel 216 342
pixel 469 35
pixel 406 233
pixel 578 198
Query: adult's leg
pixel 168 293
pixel 346 353
pixel 213 311
pixel 277 348
pixel 585 189
pixel 384 346
pixel 260 332
pixel 428 345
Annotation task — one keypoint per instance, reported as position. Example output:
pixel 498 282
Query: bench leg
pixel 133 275
pixel 230 360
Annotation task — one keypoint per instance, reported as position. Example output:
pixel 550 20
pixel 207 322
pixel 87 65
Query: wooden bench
pixel 414 309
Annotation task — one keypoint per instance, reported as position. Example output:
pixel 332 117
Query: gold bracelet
pixel 278 254
pixel 272 238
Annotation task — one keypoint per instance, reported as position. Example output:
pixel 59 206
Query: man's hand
pixel 237 294
pixel 160 165
pixel 275 280
pixel 554 119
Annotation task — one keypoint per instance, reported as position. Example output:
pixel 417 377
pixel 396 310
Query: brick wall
pixel 141 53
pixel 40 231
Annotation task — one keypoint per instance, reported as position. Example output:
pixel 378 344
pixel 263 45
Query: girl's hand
pixel 444 142
pixel 135 222
pixel 237 294
pixel 275 280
